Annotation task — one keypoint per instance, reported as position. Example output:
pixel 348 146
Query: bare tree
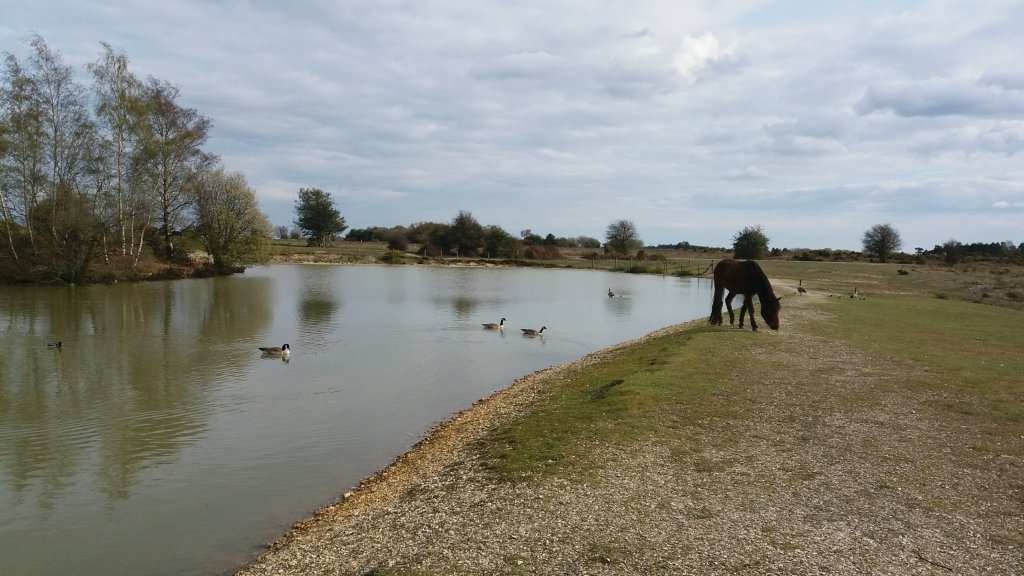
pixel 882 240
pixel 174 158
pixel 68 141
pixel 121 114
pixel 622 238
pixel 21 165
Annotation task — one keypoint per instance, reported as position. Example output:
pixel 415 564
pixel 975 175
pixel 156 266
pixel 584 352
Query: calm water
pixel 156 440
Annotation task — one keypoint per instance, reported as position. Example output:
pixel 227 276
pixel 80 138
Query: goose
pixel 610 293
pixel 54 344
pixel 801 288
pixel 533 332
pixel 284 350
pixel 493 326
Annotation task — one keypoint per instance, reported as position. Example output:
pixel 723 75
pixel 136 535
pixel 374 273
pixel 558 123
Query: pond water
pixel 157 440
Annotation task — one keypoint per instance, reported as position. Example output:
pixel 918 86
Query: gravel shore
pixel 833 468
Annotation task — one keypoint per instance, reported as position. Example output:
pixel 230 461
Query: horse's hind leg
pixel 716 312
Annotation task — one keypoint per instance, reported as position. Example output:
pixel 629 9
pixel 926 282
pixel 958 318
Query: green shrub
pixel 391 257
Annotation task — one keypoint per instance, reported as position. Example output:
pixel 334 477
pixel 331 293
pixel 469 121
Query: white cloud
pixel 704 55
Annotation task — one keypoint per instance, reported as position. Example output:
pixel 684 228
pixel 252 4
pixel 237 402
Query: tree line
pixel 319 221
pixel 115 172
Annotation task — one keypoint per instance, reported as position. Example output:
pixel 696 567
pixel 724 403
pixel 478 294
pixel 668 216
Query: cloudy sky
pixel 693 119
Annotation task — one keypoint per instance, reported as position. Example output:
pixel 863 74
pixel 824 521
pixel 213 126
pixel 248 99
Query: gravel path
pixel 836 468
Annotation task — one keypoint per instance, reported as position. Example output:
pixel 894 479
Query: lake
pixel 157 440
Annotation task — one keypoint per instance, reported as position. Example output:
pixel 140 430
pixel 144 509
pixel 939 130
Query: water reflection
pixel 125 391
pixel 318 301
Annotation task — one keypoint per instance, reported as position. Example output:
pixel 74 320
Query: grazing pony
pixel 746 278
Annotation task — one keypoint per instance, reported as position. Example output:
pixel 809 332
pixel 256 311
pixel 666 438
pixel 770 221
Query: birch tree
pixel 174 158
pixel 121 115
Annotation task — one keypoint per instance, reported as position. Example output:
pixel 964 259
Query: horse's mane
pixel 763 288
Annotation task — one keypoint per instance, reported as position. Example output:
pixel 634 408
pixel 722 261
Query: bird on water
pixel 493 326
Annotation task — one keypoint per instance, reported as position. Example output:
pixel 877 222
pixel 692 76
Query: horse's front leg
pixel 748 305
pixel 728 306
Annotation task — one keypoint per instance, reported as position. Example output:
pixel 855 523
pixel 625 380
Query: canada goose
pixel 801 288
pixel 610 293
pixel 493 326
pixel 54 344
pixel 532 332
pixel 284 350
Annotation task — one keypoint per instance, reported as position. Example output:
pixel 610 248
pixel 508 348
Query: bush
pixel 542 253
pixel 391 257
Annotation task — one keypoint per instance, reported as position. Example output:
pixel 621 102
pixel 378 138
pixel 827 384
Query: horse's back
pixel 738 275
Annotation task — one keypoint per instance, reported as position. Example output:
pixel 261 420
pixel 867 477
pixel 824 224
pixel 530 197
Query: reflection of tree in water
pixel 129 387
pixel 464 307
pixel 317 303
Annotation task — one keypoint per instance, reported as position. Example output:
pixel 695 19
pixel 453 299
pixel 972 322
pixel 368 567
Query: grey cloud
pixel 934 99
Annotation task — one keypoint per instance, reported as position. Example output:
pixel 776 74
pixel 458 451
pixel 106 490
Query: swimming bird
pixel 284 350
pixel 533 332
pixel 54 344
pixel 610 293
pixel 493 326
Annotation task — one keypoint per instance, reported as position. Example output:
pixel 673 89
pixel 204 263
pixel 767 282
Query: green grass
pixel 970 355
pixel 658 387
pixel 958 347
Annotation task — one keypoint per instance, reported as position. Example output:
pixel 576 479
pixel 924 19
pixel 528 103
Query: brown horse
pixel 746 278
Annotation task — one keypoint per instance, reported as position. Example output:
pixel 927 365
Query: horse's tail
pixel 716 303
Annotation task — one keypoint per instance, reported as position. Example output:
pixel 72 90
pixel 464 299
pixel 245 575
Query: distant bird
pixel 801 288
pixel 54 344
pixel 854 294
pixel 284 351
pixel 610 293
pixel 532 332
pixel 493 326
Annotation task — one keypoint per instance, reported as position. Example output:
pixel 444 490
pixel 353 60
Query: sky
pixel 692 119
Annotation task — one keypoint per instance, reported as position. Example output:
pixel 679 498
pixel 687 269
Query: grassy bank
pixel 968 357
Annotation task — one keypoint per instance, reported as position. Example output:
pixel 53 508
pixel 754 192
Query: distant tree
pixel 750 243
pixel 587 242
pixel 281 232
pixel 550 240
pixel 317 217
pixel 882 240
pixel 622 238
pixel 465 235
pixel 397 239
pixel 360 234
pixel 531 239
pixel 499 244
pixel 234 231
pixel 952 252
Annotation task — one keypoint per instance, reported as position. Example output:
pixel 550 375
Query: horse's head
pixel 770 312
